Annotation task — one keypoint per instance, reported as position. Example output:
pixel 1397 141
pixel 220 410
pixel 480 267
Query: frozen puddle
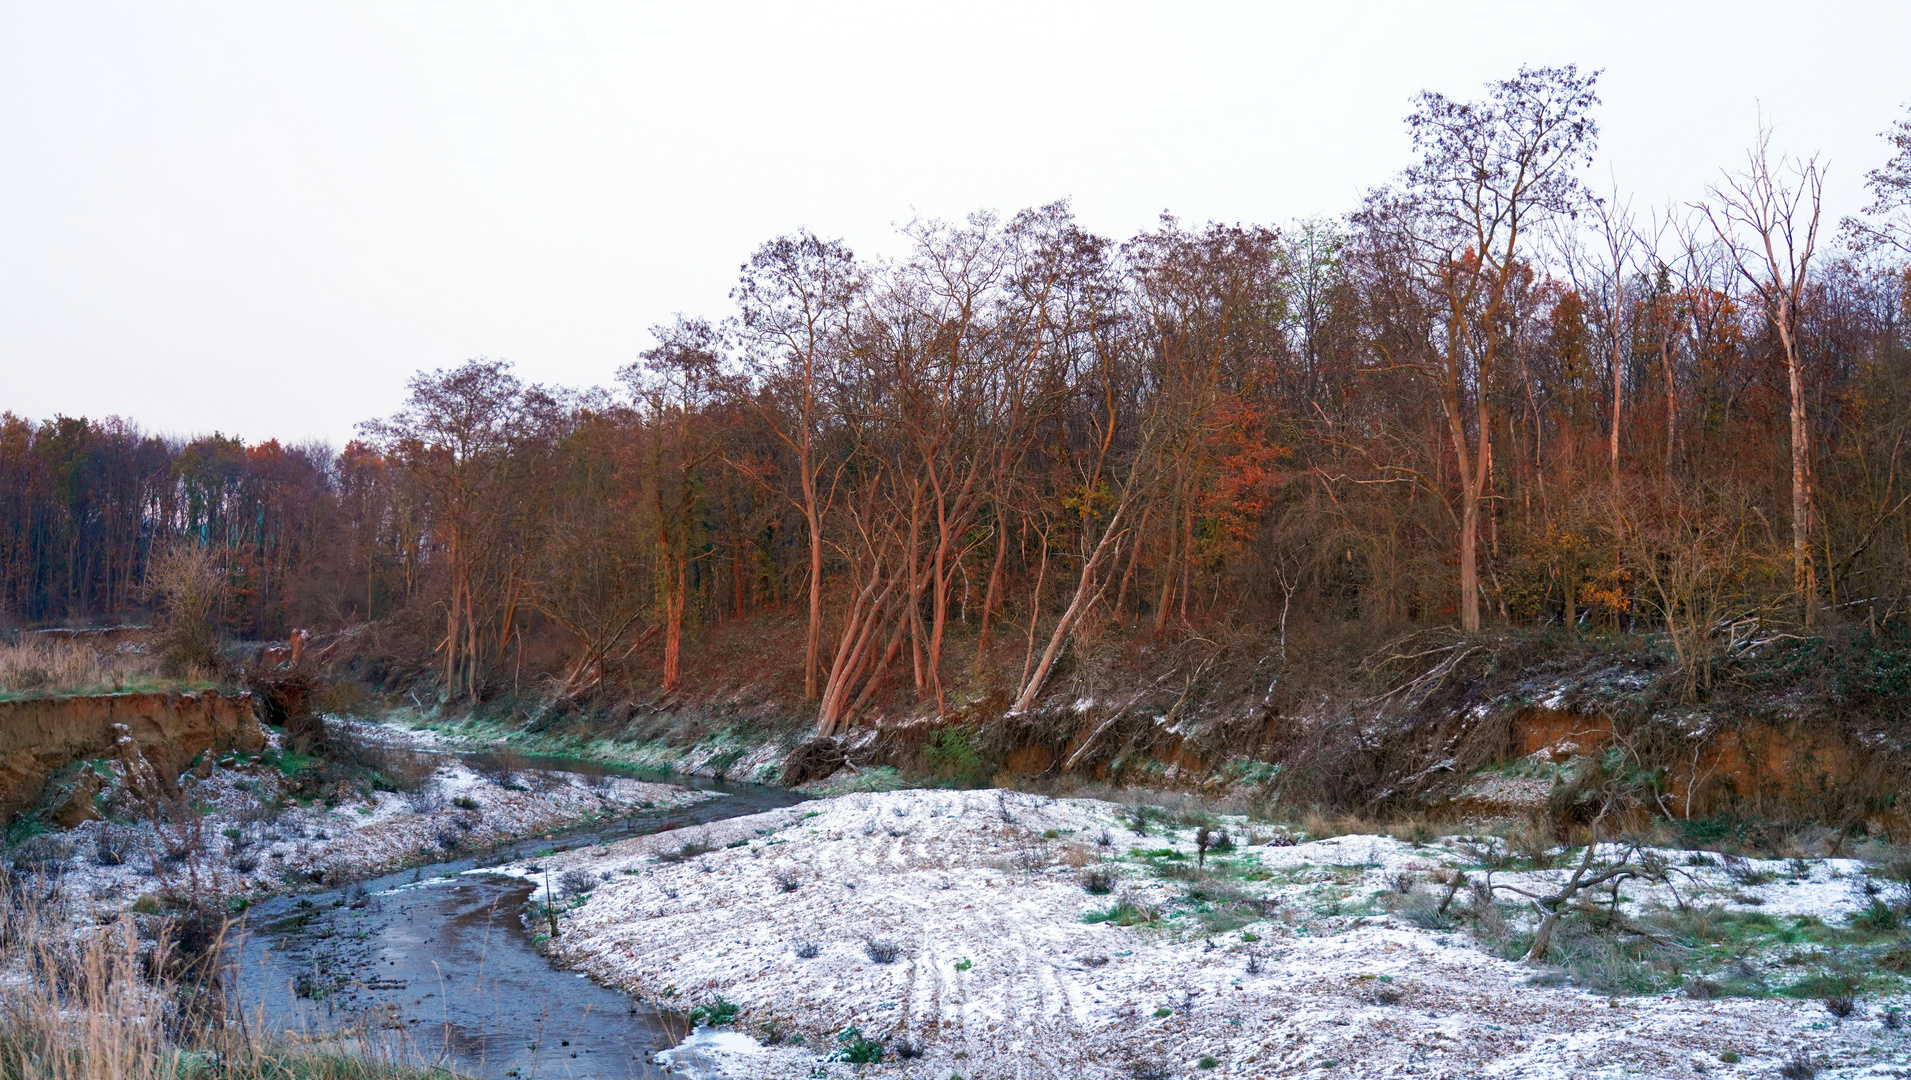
pixel 709 1054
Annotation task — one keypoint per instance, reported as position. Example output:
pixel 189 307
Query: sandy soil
pixel 996 974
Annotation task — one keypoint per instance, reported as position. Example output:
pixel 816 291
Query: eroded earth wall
pixel 41 736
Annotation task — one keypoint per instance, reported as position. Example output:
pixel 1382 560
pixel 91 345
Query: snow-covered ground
pixel 251 840
pixel 995 973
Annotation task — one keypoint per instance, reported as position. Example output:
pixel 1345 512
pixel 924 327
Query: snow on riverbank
pixel 788 914
pixel 252 839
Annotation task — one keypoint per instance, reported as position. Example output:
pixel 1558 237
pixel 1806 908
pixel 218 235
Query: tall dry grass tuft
pixel 144 998
pixel 30 666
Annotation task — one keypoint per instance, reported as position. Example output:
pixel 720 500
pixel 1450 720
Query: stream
pixel 434 966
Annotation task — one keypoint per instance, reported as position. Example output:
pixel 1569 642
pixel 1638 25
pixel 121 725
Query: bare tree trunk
pixel 995 589
pixel 1086 593
pixel 673 630
pixel 1761 201
pixel 812 655
pixel 1804 569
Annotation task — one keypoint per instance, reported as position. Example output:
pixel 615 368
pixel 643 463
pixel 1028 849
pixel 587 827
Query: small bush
pixel 805 949
pixel 1098 880
pixel 1381 991
pixel 1138 819
pixel 689 850
pixel 881 950
pixel 906 1048
pixel 1877 918
pixel 1422 909
pixel 425 801
pixel 465 802
pixel 949 754
pixel 1741 870
pixel 1841 1006
pixel 577 882
pixel 115 844
pixel 855 1049
pixel 1125 912
pixel 1799 1067
pixel 42 854
pixel 787 881
pixel 715 1013
pixel 1149 1069
pixel 1703 989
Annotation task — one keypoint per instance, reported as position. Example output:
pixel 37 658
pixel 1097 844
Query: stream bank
pixel 435 964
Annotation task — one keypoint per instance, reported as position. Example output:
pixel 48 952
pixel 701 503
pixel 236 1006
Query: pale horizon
pixel 262 221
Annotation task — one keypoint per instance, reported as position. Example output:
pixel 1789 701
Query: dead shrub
pixel 817 759
pixel 881 950
pixel 188 583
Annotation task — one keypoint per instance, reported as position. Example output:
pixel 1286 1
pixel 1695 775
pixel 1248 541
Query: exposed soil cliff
pixel 40 736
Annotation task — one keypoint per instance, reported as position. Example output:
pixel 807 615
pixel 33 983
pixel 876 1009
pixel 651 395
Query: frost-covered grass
pixel 729 752
pixel 239 828
pixel 1272 954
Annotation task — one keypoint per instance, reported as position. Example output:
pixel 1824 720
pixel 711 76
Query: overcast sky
pixel 261 218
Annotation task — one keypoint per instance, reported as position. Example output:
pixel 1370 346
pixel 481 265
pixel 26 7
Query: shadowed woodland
pixel 1488 399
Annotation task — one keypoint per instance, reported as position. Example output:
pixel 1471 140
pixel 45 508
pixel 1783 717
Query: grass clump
pixel 1127 911
pixel 690 849
pixel 881 950
pixel 45 666
pixel 144 999
pixel 714 1013
pixel 855 1048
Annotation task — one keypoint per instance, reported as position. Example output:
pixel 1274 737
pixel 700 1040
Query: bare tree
pixel 1769 201
pixel 795 296
pixel 456 436
pixel 1887 221
pixel 1489 171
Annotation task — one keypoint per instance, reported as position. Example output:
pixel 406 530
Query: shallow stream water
pixel 434 965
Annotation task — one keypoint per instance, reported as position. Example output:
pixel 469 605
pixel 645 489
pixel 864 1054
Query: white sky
pixel 259 218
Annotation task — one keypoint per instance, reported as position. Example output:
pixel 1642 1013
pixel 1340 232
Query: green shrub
pixel 950 755
pixel 1125 913
pixel 1877 918
pixel 855 1049
pixel 714 1014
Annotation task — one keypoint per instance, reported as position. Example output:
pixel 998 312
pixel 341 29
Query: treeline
pixel 1484 398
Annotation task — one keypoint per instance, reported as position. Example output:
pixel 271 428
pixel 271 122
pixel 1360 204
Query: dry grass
pixel 1319 825
pixel 31 668
pixel 142 999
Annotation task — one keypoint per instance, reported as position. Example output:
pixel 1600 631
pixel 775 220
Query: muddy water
pixel 435 966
